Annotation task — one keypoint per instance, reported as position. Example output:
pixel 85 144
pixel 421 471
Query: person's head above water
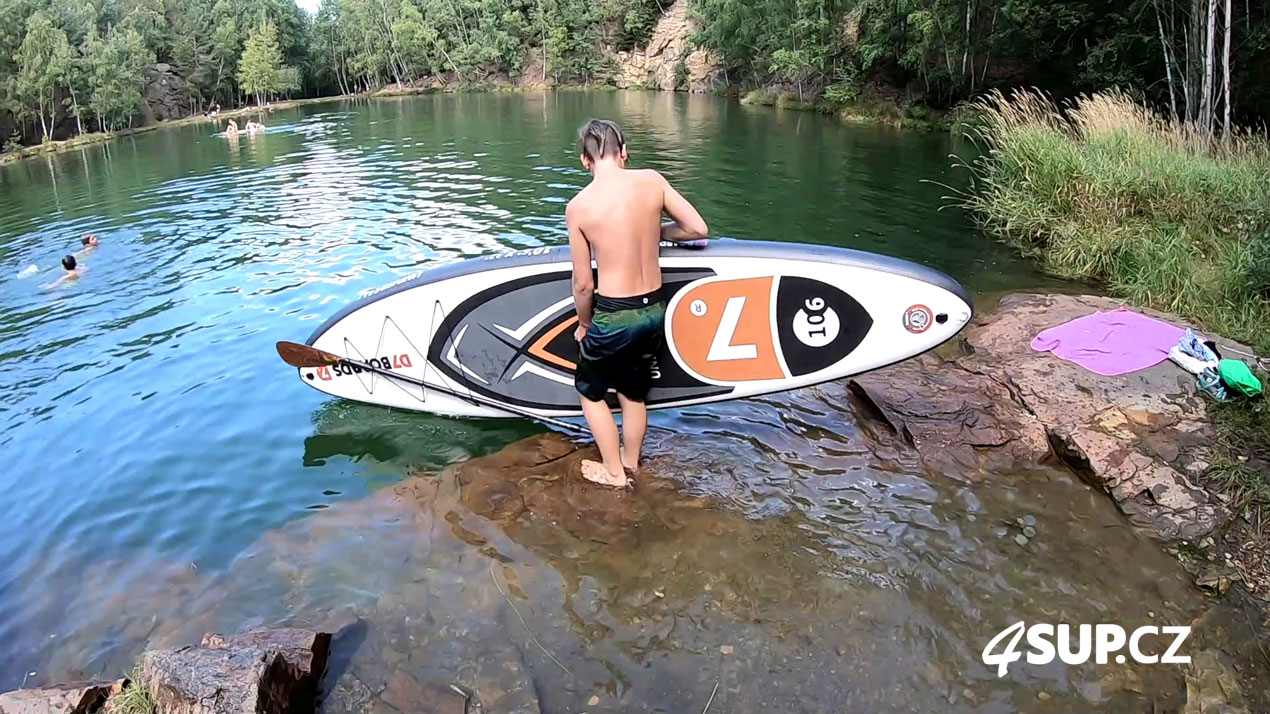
pixel 89 239
pixel 69 262
pixel 601 139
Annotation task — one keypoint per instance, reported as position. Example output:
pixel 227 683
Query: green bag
pixel 1238 377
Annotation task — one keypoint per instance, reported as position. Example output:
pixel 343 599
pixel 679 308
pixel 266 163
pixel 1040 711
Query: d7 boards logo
pixel 1100 640
pixel 342 368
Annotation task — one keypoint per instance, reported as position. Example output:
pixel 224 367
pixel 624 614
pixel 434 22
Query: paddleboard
pixel 744 318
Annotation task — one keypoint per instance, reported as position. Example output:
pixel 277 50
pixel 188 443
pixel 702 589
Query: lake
pixel 167 474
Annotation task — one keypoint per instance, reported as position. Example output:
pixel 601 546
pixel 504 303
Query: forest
pixel 73 66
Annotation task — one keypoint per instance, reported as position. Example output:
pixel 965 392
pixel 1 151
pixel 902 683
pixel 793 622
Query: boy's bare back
pixel 620 217
pixel 619 214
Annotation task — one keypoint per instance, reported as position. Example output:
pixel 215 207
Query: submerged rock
pixel 1211 687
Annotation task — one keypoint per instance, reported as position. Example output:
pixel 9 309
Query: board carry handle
pixel 306 356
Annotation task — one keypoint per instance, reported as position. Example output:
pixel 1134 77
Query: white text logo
pixel 1047 642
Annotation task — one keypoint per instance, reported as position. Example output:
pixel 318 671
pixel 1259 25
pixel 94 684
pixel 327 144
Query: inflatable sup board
pixel 743 318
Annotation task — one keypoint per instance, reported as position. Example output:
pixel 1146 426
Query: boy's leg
pixel 600 419
pixel 634 424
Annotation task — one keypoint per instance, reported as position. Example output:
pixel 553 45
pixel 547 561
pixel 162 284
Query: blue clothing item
pixel 1192 345
pixel 1210 383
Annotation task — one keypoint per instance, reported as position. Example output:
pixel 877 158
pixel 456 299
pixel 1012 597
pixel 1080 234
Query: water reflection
pixel 163 468
pixel 795 577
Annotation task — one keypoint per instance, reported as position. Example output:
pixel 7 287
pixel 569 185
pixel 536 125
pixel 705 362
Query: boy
pixel 89 242
pixel 616 220
pixel 73 272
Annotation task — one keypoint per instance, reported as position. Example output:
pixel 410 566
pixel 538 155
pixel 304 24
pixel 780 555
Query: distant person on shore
pixel 73 272
pixel 231 128
pixel 89 242
pixel 616 220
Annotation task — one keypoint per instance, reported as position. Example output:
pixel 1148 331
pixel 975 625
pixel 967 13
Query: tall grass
pixel 1104 189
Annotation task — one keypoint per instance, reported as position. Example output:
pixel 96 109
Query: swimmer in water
pixel 231 128
pixel 89 242
pixel 254 127
pixel 73 272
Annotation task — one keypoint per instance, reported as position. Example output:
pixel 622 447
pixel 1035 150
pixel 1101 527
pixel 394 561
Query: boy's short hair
pixel 68 262
pixel 600 138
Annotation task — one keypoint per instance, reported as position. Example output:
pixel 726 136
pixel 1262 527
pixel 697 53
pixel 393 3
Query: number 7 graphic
pixel 721 348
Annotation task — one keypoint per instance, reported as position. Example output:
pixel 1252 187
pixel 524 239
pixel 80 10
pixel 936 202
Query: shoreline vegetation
pixel 75 66
pixel 1103 189
pixel 879 111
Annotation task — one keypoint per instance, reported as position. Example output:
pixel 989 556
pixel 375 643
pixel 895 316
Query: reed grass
pixel 134 699
pixel 1104 189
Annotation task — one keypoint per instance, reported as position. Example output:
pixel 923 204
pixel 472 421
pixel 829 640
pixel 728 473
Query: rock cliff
pixel 166 94
pixel 669 61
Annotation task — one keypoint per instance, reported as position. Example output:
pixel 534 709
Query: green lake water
pixel 159 461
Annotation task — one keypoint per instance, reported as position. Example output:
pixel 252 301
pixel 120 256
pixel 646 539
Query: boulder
pixel 964 424
pixel 304 651
pixel 71 699
pixel 269 671
pixel 1141 437
pixel 997 406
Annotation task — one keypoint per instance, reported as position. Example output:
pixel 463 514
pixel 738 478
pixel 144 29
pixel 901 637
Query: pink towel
pixel 1110 343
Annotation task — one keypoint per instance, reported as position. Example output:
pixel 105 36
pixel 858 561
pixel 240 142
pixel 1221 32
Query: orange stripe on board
pixel 539 348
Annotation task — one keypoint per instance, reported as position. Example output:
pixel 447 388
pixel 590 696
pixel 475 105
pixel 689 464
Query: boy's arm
pixel 687 222
pixel 583 278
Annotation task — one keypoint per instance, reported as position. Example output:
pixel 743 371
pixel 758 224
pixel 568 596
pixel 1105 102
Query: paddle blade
pixel 298 355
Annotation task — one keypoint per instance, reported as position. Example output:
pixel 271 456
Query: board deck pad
pixel 742 318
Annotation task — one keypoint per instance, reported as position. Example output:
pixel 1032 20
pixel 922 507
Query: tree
pixel 224 52
pixel 791 66
pixel 117 78
pixel 42 61
pixel 261 62
pixel 191 48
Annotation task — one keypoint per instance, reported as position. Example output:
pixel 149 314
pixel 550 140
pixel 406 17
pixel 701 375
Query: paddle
pixel 305 356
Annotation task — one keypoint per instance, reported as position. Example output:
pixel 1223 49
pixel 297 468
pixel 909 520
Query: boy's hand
pixel 580 332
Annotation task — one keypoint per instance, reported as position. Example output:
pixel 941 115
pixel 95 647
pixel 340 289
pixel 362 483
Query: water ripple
pixel 147 418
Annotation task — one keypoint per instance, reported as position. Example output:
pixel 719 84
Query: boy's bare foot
pixel 595 472
pixel 627 464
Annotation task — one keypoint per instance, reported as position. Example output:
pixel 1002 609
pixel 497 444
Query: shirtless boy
pixel 73 271
pixel 616 221
pixel 89 242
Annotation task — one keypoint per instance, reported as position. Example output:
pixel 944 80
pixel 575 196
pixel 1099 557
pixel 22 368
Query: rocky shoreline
pixel 984 409
pixel 263 671
pixel 992 404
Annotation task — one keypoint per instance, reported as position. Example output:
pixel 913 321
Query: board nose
pixel 817 324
